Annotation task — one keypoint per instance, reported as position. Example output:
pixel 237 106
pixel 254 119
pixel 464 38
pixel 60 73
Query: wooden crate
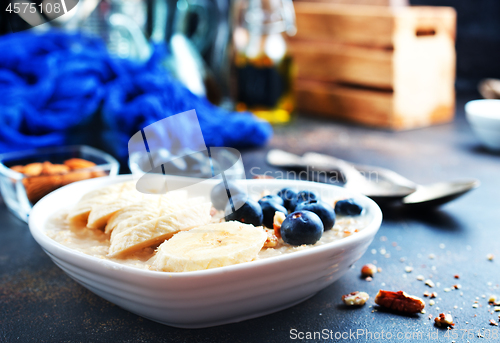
pixel 381 66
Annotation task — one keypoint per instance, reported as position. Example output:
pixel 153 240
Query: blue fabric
pixel 56 81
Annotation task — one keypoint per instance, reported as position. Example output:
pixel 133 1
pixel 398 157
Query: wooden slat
pixel 393 3
pixel 374 26
pixel 368 107
pixel 327 61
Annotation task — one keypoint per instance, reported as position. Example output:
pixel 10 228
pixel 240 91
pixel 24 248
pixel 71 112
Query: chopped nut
pixel 434 295
pixel 429 283
pixel 492 322
pixel 33 169
pixel 19 169
pixel 53 169
pixel 492 298
pixel 496 308
pixel 427 294
pixel 75 176
pixel 399 301
pixel 368 270
pixel 475 305
pixel 444 320
pixel 456 276
pixel 490 257
pixel 408 269
pixel 78 163
pixel 39 186
pixel 457 286
pixel 355 298
pixel 271 240
pixel 279 217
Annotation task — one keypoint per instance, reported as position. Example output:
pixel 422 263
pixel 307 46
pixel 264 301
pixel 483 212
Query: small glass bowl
pixel 13 184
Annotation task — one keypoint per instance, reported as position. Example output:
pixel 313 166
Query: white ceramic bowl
pixel 484 117
pixel 215 296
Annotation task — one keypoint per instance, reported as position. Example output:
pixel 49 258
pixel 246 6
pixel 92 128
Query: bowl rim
pixel 471 108
pixel 55 248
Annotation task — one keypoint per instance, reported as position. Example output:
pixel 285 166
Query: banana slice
pixel 209 246
pixel 159 229
pixel 149 208
pixel 140 219
pixel 80 213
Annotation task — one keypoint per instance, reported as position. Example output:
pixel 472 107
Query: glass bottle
pixel 262 70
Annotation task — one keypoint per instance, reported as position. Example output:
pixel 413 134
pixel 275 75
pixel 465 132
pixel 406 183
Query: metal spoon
pixel 388 185
pixel 383 188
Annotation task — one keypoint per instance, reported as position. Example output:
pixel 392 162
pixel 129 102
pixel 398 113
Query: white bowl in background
pixel 215 296
pixel 484 117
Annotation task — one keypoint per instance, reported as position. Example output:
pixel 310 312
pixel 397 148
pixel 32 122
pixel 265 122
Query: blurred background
pixel 95 72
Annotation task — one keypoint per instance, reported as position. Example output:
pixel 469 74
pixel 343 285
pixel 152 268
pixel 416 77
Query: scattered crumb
pixel 492 298
pixel 355 298
pixel 447 289
pixel 431 302
pixel 408 269
pixel 444 320
pixel 492 322
pixel 420 278
pixel 434 295
pixel 490 257
pixel 475 305
pixel 379 270
pixel 402 259
pixel 429 283
pixel 457 286
pixel 496 308
pixel 368 270
pixel 432 256
pixel 369 279
pixel 456 276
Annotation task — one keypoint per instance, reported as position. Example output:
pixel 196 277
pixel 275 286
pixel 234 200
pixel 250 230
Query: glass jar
pixel 262 69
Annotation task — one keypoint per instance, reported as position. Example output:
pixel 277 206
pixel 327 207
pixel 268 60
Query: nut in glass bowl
pixel 27 176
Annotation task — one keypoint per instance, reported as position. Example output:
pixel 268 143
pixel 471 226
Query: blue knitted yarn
pixel 53 82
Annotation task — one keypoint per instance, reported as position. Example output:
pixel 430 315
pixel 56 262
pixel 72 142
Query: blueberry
pixel 348 207
pixel 301 227
pixel 219 196
pixel 288 195
pixel 269 208
pixel 248 211
pixel 301 197
pixel 274 198
pixel 322 209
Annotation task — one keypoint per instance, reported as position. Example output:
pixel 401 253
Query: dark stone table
pixel 40 303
